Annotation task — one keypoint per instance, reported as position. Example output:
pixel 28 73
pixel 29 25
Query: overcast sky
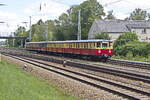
pixel 17 11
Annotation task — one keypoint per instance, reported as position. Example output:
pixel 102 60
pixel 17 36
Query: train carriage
pixel 98 48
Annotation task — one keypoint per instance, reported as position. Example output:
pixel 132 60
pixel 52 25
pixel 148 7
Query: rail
pixel 137 64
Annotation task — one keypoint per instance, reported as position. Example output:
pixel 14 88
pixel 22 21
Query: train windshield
pixel 98 44
pixel 104 44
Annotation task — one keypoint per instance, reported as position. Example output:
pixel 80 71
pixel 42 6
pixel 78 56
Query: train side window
pixel 86 44
pixel 75 45
pixel 70 45
pixel 67 45
pixel 91 46
pixel 79 45
pixel 95 45
pixel 83 45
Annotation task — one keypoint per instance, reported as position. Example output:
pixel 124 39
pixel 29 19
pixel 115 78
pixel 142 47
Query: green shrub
pixel 125 38
pixel 134 48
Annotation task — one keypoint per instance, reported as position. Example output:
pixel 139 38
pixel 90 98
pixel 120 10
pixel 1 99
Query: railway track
pixel 136 64
pixel 126 63
pixel 105 84
pixel 103 69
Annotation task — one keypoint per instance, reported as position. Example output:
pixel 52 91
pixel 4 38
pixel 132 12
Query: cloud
pixel 123 8
pixel 10 22
pixel 49 8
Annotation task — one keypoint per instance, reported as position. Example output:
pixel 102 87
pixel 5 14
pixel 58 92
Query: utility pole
pixel 30 33
pixel 79 25
pixel 46 33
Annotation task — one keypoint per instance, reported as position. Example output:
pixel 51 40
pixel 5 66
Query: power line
pixel 110 3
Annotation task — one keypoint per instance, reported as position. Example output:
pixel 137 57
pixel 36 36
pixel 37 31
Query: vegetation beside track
pixel 19 85
pixel 128 47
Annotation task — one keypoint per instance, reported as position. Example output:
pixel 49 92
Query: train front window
pixel 104 45
pixel 98 44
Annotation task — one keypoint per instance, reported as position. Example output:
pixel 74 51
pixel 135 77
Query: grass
pixel 15 84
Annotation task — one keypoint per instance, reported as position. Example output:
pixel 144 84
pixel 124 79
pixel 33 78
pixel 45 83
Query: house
pixel 116 27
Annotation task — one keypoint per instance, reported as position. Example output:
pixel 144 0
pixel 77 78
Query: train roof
pixel 72 41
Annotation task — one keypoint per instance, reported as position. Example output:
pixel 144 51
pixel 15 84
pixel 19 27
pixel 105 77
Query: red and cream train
pixel 93 48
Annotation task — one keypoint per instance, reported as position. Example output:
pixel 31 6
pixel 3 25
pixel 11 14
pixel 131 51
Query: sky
pixel 15 12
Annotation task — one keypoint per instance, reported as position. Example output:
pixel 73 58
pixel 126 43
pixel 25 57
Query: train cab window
pixel 98 44
pixel 104 45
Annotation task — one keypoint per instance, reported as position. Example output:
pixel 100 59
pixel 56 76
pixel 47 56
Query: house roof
pixel 117 26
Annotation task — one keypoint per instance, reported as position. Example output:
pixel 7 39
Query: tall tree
pixel 138 14
pixel 110 15
pixel 90 11
pixel 21 31
pixel 38 31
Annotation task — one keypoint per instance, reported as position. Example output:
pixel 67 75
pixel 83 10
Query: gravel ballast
pixel 70 86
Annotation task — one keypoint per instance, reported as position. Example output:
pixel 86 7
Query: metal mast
pixel 79 25
pixel 46 33
pixel 30 33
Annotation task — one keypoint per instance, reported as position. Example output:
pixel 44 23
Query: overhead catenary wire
pixel 113 2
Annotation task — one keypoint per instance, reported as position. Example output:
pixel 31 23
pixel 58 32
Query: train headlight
pixel 99 51
pixel 109 51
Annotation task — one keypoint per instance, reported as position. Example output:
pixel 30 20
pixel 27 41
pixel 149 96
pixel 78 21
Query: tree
pixel 125 38
pixel 40 28
pixel 90 11
pixel 138 14
pixel 63 28
pixel 110 15
pixel 102 36
pixel 21 31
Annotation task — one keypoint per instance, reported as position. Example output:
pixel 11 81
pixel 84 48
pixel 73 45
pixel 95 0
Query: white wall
pixel 143 36
pixel 114 36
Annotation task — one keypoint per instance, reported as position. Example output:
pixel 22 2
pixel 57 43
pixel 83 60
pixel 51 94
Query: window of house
pixel 144 31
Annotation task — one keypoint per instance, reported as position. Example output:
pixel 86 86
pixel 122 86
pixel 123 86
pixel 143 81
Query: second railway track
pixel 96 68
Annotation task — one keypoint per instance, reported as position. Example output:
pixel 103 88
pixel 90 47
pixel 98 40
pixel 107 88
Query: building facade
pixel 117 27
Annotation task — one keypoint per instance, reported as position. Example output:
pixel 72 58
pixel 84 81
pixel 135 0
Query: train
pixel 101 49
